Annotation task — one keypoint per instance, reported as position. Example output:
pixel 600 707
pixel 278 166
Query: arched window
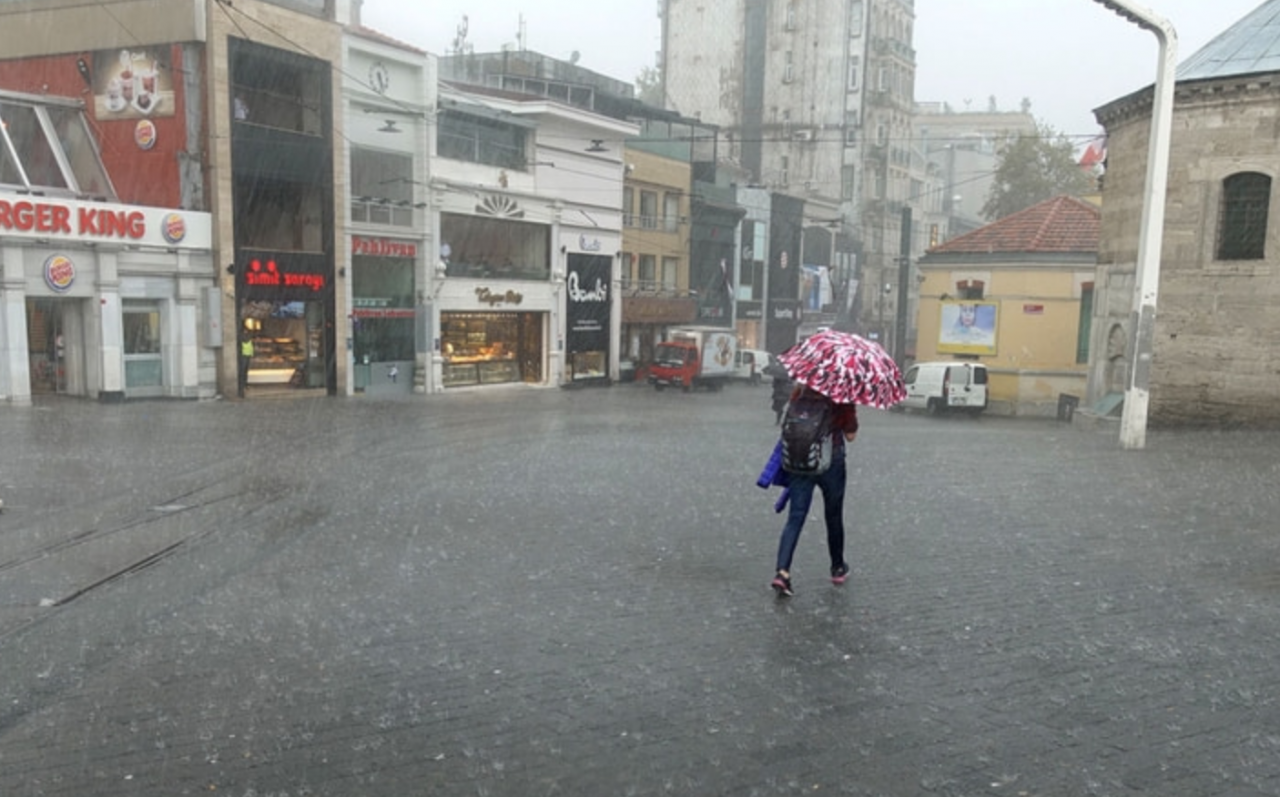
pixel 1242 216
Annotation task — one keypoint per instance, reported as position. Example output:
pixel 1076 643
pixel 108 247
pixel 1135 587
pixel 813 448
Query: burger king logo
pixel 59 273
pixel 174 228
pixel 144 134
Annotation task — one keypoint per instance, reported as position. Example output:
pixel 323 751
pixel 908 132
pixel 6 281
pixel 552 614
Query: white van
pixel 947 386
pixel 749 364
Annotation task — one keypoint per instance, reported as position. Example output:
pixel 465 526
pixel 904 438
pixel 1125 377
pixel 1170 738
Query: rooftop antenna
pixel 522 35
pixel 460 44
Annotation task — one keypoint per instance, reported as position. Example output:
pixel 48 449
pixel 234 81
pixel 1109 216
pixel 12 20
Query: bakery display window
pixel 491 348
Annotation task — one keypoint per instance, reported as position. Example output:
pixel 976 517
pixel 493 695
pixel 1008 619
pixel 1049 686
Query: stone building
pixel 1215 359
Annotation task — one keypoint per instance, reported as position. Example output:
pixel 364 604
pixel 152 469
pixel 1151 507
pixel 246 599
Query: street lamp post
pixel 1133 422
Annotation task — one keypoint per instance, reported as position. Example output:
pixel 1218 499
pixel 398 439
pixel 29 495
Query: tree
pixel 1032 168
pixel 649 87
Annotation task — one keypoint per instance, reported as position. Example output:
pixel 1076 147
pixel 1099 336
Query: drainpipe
pixel 1133 422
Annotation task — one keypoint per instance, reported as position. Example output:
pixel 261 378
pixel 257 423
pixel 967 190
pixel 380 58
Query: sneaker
pixel 782 584
pixel 839 573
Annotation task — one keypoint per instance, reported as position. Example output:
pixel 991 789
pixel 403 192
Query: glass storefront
pixel 288 343
pixel 382 320
pixel 490 348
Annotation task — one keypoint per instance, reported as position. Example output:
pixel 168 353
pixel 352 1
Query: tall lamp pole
pixel 1133 421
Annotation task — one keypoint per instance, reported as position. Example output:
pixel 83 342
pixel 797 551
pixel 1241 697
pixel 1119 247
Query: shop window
pixel 476 139
pixel 1242 216
pixel 491 348
pixel 381 187
pixel 486 247
pixel 383 313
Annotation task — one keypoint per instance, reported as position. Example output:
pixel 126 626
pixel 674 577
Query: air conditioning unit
pixel 803 135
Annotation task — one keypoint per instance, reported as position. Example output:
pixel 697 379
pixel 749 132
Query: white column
pixel 109 324
pixel 15 368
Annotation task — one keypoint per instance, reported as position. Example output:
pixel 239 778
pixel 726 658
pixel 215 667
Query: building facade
pixel 1016 295
pixel 1213 362
pixel 815 102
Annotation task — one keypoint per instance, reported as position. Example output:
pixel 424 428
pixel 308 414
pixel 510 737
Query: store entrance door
pixel 47 344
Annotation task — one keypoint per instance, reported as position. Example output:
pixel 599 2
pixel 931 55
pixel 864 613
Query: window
pixel 1242 216
pixel 22 128
pixel 1086 315
pixel 854 63
pixel 628 207
pixel 786 171
pixel 649 210
pixel 848 181
pixel 670 212
pixel 855 18
pixel 648 267
pixel 788 70
pixel 280 215
pixel 791 17
pixel 381 187
pixel 476 139
pixel 670 272
pixel 48 146
pixel 480 246
pixel 278 89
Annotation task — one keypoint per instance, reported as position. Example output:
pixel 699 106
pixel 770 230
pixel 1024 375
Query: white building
pixel 528 194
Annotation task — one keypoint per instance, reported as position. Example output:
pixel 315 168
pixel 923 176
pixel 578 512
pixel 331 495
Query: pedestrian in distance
pixel 246 355
pixel 838 427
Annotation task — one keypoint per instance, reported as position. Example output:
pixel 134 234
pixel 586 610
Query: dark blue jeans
pixel 832 484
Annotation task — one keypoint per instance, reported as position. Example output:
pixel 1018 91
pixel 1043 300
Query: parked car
pixel 749 365
pixel 939 387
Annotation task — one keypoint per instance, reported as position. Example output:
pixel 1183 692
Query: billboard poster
pixel 967 328
pixel 589 303
pixel 132 84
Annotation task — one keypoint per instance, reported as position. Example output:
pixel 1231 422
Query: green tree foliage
pixel 1032 168
pixel 649 87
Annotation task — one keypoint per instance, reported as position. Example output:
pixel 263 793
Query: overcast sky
pixel 1066 56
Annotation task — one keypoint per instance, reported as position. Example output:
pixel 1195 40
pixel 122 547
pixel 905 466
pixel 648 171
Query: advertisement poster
pixel 132 84
pixel 968 328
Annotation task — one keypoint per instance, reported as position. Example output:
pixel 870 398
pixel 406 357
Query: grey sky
pixel 1066 56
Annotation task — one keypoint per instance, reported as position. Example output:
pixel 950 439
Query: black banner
pixel 589 303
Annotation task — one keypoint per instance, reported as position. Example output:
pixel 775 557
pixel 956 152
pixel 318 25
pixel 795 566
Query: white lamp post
pixel 1133 422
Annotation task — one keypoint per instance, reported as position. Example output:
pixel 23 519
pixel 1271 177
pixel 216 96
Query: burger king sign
pixel 59 273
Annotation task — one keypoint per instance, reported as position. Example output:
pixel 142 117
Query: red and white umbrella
pixel 846 368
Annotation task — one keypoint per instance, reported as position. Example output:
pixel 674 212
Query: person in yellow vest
pixel 246 354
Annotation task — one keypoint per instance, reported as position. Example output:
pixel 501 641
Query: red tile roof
pixel 1060 225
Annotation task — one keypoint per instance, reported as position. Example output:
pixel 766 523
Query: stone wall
pixel 1217 342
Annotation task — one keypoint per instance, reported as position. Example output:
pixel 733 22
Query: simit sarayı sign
pixel 70 221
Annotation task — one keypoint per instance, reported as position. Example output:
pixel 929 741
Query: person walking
pixel 832 482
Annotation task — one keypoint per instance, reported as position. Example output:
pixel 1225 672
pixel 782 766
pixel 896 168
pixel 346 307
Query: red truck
pixel 695 357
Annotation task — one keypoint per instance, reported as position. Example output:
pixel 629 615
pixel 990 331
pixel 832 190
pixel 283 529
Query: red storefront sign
pixel 382 247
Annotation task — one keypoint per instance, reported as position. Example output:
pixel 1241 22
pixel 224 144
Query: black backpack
pixel 806 434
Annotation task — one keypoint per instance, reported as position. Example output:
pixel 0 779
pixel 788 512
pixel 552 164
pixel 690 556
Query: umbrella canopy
pixel 846 368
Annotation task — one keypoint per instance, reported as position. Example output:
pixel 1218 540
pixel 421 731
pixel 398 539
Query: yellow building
pixel 655 251
pixel 1017 296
